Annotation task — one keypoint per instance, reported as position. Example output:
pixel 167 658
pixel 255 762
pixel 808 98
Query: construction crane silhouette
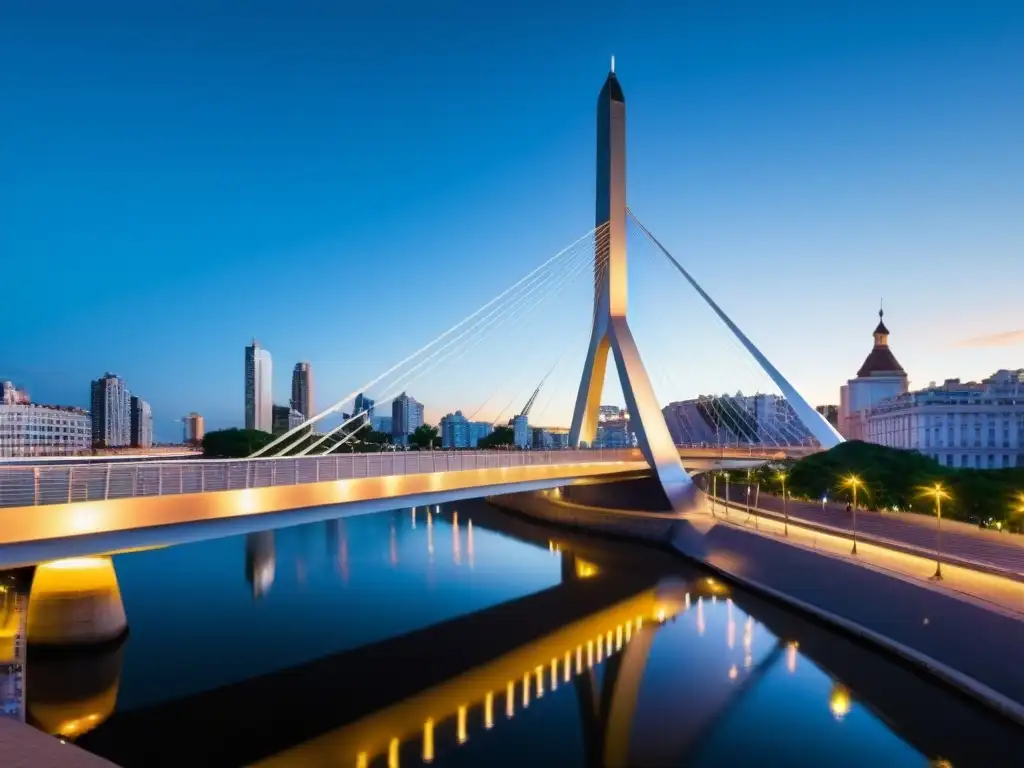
pixel 533 397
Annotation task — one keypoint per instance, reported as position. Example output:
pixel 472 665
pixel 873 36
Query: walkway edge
pixel 968 685
pixel 881 541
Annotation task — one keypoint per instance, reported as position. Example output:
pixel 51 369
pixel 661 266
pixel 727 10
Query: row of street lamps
pixel 936 491
pixel 853 483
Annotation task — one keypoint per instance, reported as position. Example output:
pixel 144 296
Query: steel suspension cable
pixel 579 263
pixel 337 406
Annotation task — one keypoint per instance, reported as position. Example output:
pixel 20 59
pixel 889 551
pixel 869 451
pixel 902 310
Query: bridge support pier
pixel 75 601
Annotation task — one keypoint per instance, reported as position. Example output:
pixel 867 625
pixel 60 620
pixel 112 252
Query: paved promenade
pixel 22 746
pixel 968 543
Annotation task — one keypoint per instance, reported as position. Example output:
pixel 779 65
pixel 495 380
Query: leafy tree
pixel 234 443
pixel 377 438
pixel 423 437
pixel 894 478
pixel 501 436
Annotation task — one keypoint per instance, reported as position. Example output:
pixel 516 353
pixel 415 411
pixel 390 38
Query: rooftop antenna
pixel 613 64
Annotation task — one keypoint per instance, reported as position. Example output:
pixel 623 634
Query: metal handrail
pixel 61 484
pixel 22 486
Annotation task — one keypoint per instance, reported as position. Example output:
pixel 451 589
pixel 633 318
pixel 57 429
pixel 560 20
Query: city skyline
pixel 900 185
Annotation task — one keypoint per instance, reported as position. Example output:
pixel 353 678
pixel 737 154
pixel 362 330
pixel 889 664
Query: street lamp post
pixel 714 491
pixel 748 497
pixel 726 475
pixel 853 482
pixel 785 506
pixel 937 492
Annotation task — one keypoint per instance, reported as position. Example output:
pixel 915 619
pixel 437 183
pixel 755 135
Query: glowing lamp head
pixel 839 701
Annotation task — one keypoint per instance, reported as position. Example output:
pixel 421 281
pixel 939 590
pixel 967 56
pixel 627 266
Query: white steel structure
pixel 611 329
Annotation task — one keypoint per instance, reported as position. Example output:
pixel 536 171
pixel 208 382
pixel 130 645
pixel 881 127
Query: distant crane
pixel 533 397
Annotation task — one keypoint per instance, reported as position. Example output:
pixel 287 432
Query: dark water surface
pixel 471 638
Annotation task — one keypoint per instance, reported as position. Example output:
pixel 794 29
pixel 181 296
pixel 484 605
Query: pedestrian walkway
pixel 22 746
pixel 968 544
pixel 995 592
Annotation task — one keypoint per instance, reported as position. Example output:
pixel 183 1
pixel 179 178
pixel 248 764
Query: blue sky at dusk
pixel 344 182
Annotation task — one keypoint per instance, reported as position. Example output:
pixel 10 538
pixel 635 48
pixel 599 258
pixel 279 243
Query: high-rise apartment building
pixel 141 423
pixel 195 428
pixel 406 415
pixel 258 389
pixel 363 404
pixel 302 389
pixel 459 432
pixel 111 412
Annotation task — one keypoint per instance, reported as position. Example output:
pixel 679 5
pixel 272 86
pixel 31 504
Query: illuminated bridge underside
pixel 38 533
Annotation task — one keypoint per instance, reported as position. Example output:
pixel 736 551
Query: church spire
pixel 881 332
pixel 881 361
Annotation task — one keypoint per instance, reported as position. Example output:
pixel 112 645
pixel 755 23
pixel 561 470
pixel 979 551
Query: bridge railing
pixel 22 486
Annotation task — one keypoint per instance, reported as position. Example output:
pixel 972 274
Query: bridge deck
pixel 65 482
pixel 50 512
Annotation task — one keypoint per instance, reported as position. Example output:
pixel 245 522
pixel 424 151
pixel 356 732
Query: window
pixel 977 461
pixel 1006 460
pixel 963 460
pixel 991 461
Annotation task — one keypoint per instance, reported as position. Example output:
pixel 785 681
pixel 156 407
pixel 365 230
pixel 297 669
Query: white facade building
pixel 879 378
pixel 259 404
pixel 40 430
pixel 973 425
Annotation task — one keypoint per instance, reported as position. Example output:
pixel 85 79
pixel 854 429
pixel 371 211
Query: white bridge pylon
pixel 611 329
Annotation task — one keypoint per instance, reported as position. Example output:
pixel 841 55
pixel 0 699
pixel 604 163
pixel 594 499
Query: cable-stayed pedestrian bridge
pixel 98 507
pixel 300 476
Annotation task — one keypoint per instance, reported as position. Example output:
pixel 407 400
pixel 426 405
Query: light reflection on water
pixel 307 592
pixel 670 668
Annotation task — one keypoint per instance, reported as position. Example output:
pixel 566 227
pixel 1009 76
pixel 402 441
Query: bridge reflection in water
pixel 429 694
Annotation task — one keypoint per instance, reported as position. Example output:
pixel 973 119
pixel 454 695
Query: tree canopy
pixel 424 437
pixel 501 436
pixel 894 478
pixel 234 443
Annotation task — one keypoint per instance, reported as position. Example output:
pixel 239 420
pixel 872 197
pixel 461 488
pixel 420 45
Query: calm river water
pixel 461 636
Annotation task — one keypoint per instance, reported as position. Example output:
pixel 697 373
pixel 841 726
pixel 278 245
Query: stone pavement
pixel 22 746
